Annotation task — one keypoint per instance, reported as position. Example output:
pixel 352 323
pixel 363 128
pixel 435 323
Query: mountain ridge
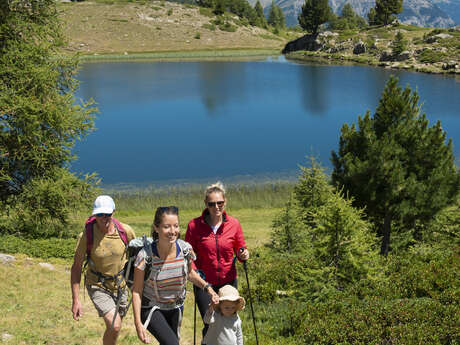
pixel 428 13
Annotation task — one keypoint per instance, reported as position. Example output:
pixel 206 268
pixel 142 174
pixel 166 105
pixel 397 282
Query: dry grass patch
pixel 104 28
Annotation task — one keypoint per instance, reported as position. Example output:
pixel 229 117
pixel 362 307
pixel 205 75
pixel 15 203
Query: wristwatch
pixel 206 286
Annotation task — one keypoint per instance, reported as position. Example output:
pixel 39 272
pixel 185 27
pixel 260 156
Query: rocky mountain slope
pixel 421 49
pixel 432 13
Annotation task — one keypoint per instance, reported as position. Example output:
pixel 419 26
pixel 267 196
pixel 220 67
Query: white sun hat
pixel 229 293
pixel 103 204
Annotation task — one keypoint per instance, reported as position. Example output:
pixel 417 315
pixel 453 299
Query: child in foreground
pixel 223 320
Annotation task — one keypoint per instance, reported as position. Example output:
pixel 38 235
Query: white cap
pixel 103 204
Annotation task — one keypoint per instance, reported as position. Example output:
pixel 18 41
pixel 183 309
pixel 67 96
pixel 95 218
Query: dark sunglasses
pixel 103 214
pixel 218 203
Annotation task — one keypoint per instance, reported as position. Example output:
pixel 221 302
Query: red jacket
pixel 214 252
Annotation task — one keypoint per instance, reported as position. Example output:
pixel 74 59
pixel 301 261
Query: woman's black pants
pixel 202 299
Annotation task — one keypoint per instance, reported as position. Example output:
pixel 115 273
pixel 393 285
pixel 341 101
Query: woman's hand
pixel 243 254
pixel 214 297
pixel 142 334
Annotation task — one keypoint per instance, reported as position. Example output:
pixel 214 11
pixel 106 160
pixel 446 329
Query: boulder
pixel 386 56
pixel 328 34
pixel 7 336
pixel 307 42
pixel 437 37
pixel 450 65
pixel 403 56
pixel 359 48
pixel 46 265
pixel 4 258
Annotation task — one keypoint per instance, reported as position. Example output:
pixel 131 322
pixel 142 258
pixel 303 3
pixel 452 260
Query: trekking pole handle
pixel 240 251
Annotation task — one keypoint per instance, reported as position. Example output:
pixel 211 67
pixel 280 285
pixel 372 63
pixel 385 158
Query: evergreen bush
pixel 40 121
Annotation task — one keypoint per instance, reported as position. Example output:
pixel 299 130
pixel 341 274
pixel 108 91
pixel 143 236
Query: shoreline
pixel 184 55
pixel 243 54
pixel 340 60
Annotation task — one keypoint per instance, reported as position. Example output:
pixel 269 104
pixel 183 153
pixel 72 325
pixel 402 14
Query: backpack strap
pixel 121 231
pixel 90 236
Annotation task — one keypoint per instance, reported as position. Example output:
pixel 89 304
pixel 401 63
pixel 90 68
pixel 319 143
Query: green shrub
pixel 269 37
pixel 373 321
pixel 228 27
pixel 434 32
pixel 218 21
pixel 197 36
pixel 170 12
pixel 205 11
pixel 432 56
pixel 399 44
pixel 40 248
pixel 45 206
pixel 208 26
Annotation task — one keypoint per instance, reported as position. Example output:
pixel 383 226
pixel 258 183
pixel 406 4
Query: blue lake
pixel 163 122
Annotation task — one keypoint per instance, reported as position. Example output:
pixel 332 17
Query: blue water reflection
pixel 162 121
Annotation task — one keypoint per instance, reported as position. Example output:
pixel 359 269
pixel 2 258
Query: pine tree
pixel 371 17
pixel 395 166
pixel 342 243
pixel 276 17
pixel 399 44
pixel 219 7
pixel 313 14
pixel 348 12
pixel 325 238
pixel 347 20
pixel 261 20
pixel 39 119
pixel 385 10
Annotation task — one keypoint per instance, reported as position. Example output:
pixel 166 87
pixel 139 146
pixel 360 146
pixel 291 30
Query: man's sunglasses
pixel 218 203
pixel 103 214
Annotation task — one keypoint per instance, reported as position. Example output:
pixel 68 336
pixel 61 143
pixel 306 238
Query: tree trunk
pixel 386 234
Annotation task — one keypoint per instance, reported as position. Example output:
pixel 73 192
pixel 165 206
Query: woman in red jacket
pixel 215 238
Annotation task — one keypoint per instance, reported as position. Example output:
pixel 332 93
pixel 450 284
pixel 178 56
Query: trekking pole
pixel 250 298
pixel 194 321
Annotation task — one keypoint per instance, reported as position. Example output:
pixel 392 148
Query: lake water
pixel 161 122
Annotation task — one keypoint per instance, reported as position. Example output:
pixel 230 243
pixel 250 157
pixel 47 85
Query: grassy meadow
pixel 35 302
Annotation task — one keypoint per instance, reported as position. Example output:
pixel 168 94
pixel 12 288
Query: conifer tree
pixel 261 20
pixel 326 238
pixel 281 17
pixel 276 17
pixel 313 14
pixel 219 7
pixel 385 11
pixel 395 166
pixel 342 243
pixel 347 20
pixel 399 44
pixel 39 120
pixel 371 17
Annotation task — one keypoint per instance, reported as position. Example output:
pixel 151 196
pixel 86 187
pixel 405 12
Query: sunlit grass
pixel 181 55
pixel 35 303
pixel 35 308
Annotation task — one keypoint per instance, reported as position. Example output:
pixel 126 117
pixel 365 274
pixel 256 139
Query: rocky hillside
pixel 429 13
pixel 421 49
pixel 156 26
